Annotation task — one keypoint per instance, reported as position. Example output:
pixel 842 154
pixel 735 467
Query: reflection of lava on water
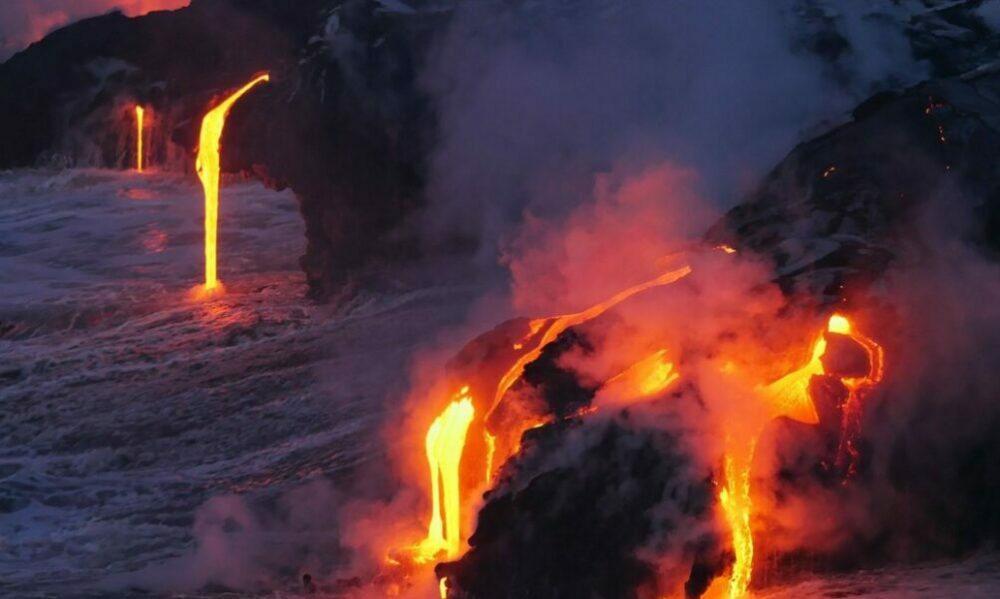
pixel 155 240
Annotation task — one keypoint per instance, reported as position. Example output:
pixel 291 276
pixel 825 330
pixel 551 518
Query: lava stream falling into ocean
pixel 208 166
pixel 445 443
pixel 786 397
pixel 738 508
pixel 140 129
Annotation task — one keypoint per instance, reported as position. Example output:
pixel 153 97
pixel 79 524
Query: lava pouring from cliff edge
pixel 140 130
pixel 208 166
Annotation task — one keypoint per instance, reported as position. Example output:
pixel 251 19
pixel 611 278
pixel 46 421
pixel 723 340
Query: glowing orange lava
pixel 560 323
pixel 208 165
pixel 140 130
pixel 650 376
pixel 789 397
pixel 445 443
pixel 858 388
pixel 550 329
pixel 738 508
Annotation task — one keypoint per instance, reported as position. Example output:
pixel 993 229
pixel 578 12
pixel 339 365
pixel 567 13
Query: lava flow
pixel 858 388
pixel 140 129
pixel 445 443
pixel 208 165
pixel 741 425
pixel 788 397
pixel 553 327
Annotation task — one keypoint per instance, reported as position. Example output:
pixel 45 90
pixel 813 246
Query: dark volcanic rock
pixel 575 527
pixel 830 212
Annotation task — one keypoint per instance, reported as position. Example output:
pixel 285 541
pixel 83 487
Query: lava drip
pixel 858 388
pixel 209 166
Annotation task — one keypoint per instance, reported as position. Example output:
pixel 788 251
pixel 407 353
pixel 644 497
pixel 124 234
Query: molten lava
pixel 789 397
pixel 140 129
pixel 559 324
pixel 738 508
pixel 208 165
pixel 548 329
pixel 445 443
pixel 858 388
pixel 650 376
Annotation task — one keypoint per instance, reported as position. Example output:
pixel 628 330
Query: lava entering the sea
pixel 140 131
pixel 209 165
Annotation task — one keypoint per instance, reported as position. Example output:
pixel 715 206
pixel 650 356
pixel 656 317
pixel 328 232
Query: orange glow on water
pixel 140 130
pixel 208 166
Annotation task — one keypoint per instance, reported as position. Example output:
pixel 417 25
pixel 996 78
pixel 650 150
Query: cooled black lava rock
pixel 830 213
pixel 560 388
pixel 576 510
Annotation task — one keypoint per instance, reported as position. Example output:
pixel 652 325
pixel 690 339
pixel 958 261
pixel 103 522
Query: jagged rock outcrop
pixel 576 528
pixel 831 213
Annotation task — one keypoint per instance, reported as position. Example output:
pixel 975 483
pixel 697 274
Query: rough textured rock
pixel 575 529
pixel 830 213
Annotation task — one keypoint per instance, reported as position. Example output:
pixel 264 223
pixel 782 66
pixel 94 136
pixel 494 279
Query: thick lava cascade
pixel 445 439
pixel 738 508
pixel 209 166
pixel 140 129
pixel 445 443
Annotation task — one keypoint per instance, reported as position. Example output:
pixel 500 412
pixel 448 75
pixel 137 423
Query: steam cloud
pixel 538 98
pixel 23 22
